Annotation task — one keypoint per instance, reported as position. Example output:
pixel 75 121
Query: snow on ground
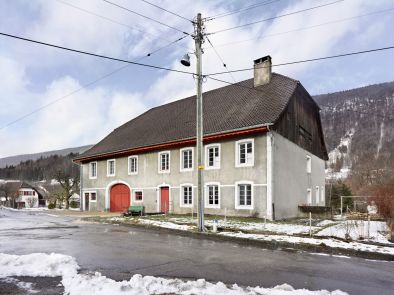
pixel 280 228
pixel 158 223
pixel 51 265
pixel 27 287
pixel 357 228
pixel 311 241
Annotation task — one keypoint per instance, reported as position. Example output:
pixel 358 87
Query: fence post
pixel 225 215
pixel 368 226
pixel 310 224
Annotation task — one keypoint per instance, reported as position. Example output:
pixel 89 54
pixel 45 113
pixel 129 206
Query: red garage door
pixel 120 198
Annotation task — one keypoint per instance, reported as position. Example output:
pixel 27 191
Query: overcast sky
pixel 33 76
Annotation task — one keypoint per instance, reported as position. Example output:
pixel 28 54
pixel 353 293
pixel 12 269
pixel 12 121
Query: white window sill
pixel 164 172
pixel 133 173
pixel 212 206
pixel 244 165
pixel 186 206
pixel 186 170
pixel 212 168
pixel 244 207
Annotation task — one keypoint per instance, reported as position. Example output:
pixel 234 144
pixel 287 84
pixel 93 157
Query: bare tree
pixel 68 184
pixel 384 199
pixel 31 201
pixel 10 192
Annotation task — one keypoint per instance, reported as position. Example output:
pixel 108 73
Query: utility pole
pixel 199 38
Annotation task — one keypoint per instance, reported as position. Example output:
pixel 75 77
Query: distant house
pixel 263 145
pixel 22 195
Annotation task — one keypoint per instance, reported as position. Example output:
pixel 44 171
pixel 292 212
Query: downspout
pixel 270 209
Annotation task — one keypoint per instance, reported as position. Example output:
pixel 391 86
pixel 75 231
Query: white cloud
pixel 92 113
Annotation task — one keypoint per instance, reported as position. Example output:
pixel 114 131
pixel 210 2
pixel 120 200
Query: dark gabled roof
pixel 225 109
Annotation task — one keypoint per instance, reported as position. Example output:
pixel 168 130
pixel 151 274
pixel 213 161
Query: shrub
pixel 51 206
pixel 74 204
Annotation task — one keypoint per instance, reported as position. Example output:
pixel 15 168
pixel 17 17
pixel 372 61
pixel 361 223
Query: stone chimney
pixel 262 71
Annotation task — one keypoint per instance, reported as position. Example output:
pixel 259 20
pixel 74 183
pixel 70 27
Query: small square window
pixel 93 197
pixel 138 196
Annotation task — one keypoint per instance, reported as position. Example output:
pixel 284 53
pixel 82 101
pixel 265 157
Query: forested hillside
pixel 41 169
pixel 359 130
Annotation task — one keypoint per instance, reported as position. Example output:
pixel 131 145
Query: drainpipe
pixel 270 173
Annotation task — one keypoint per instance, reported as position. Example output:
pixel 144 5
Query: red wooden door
pixel 119 198
pixel 164 199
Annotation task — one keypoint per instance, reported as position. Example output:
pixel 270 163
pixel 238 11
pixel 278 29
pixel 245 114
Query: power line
pixel 114 21
pixel 306 28
pixel 166 10
pixel 278 16
pixel 147 17
pixel 87 85
pixel 218 55
pixel 255 89
pixel 95 55
pixel 309 60
pixel 240 10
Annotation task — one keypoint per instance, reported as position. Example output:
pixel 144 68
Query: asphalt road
pixel 119 252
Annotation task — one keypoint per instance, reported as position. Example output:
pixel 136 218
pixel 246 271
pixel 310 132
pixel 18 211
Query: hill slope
pixel 359 128
pixel 15 160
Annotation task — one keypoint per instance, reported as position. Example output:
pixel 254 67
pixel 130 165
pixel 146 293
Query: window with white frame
pixel 111 167
pixel 309 196
pixel 91 196
pixel 308 164
pixel 93 170
pixel 317 195
pixel 138 195
pixel 245 153
pixel 133 165
pixel 186 195
pixel 187 159
pixel 212 195
pixel 164 162
pixel 244 196
pixel 212 156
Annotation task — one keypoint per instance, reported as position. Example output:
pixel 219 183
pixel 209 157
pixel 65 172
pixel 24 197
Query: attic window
pixel 305 138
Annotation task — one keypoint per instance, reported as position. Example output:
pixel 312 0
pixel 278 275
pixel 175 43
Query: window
pixel 187 159
pixel 309 196
pixel 164 162
pixel 111 168
pixel 244 153
pixel 90 197
pixel 308 164
pixel 186 195
pixel 138 196
pixel 212 156
pixel 212 195
pixel 317 195
pixel 133 165
pixel 93 170
pixel 244 195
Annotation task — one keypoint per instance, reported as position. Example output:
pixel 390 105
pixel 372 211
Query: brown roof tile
pixel 225 109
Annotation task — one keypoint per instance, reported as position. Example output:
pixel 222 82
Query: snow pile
pixel 356 229
pixel 165 224
pixel 49 265
pixel 37 265
pixel 311 241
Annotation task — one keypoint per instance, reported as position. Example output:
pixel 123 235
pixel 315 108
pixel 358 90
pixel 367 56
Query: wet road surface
pixel 119 252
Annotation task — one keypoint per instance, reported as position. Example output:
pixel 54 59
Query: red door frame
pixel 121 202
pixel 164 199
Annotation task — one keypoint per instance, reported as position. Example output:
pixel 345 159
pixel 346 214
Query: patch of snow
pixel 311 241
pixel 358 228
pixel 50 265
pixel 325 223
pixel 165 224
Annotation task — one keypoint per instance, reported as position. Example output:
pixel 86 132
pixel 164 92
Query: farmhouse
pixel 263 145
